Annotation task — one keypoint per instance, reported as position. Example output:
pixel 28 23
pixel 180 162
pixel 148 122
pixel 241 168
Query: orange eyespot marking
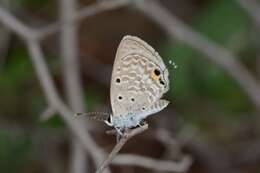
pixel 155 75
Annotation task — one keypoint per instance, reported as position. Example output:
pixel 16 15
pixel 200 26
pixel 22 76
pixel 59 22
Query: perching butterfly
pixel 139 80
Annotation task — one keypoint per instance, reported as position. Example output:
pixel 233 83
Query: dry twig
pixel 54 100
pixel 119 145
pixel 71 75
pixel 88 11
pixel 47 113
pixel 15 25
pixel 252 7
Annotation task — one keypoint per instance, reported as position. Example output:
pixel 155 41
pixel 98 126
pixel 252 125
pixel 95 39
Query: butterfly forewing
pixel 139 77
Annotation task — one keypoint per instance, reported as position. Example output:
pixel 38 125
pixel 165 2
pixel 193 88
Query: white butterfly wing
pixel 136 82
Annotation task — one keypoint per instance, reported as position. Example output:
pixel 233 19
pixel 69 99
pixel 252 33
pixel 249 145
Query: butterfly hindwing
pixel 139 77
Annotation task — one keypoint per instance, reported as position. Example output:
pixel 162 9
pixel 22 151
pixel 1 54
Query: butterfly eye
pixel 120 97
pixel 132 99
pixel 143 108
pixel 157 72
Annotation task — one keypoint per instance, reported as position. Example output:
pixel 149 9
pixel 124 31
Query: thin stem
pixel 54 100
pixel 128 135
pixel 17 26
pixel 71 75
pixel 88 11
pixel 252 7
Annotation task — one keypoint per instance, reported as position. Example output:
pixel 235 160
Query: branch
pixel 252 8
pixel 72 82
pixel 128 135
pixel 176 29
pixel 69 54
pixel 88 11
pixel 54 100
pixel 26 32
pixel 15 25
pixel 258 63
pixel 154 164
pixel 47 84
pixel 173 145
pixel 5 34
pixel 47 114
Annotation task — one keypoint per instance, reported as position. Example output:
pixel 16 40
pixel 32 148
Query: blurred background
pixel 214 112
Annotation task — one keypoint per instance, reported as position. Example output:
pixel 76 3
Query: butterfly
pixel 139 80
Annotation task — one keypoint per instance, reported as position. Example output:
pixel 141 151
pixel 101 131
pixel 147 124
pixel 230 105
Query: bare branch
pixel 54 100
pixel 82 14
pixel 15 25
pixel 71 76
pixel 172 145
pixel 28 33
pixel 47 113
pixel 252 7
pixel 69 54
pixel 219 55
pixel 258 64
pixel 154 164
pixel 119 145
pixel 5 34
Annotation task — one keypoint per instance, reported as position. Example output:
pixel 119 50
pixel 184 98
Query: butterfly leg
pixel 142 123
pixel 119 131
pixel 119 134
pixel 111 132
pixel 118 137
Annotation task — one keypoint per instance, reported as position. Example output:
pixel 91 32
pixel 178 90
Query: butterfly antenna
pixel 101 116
